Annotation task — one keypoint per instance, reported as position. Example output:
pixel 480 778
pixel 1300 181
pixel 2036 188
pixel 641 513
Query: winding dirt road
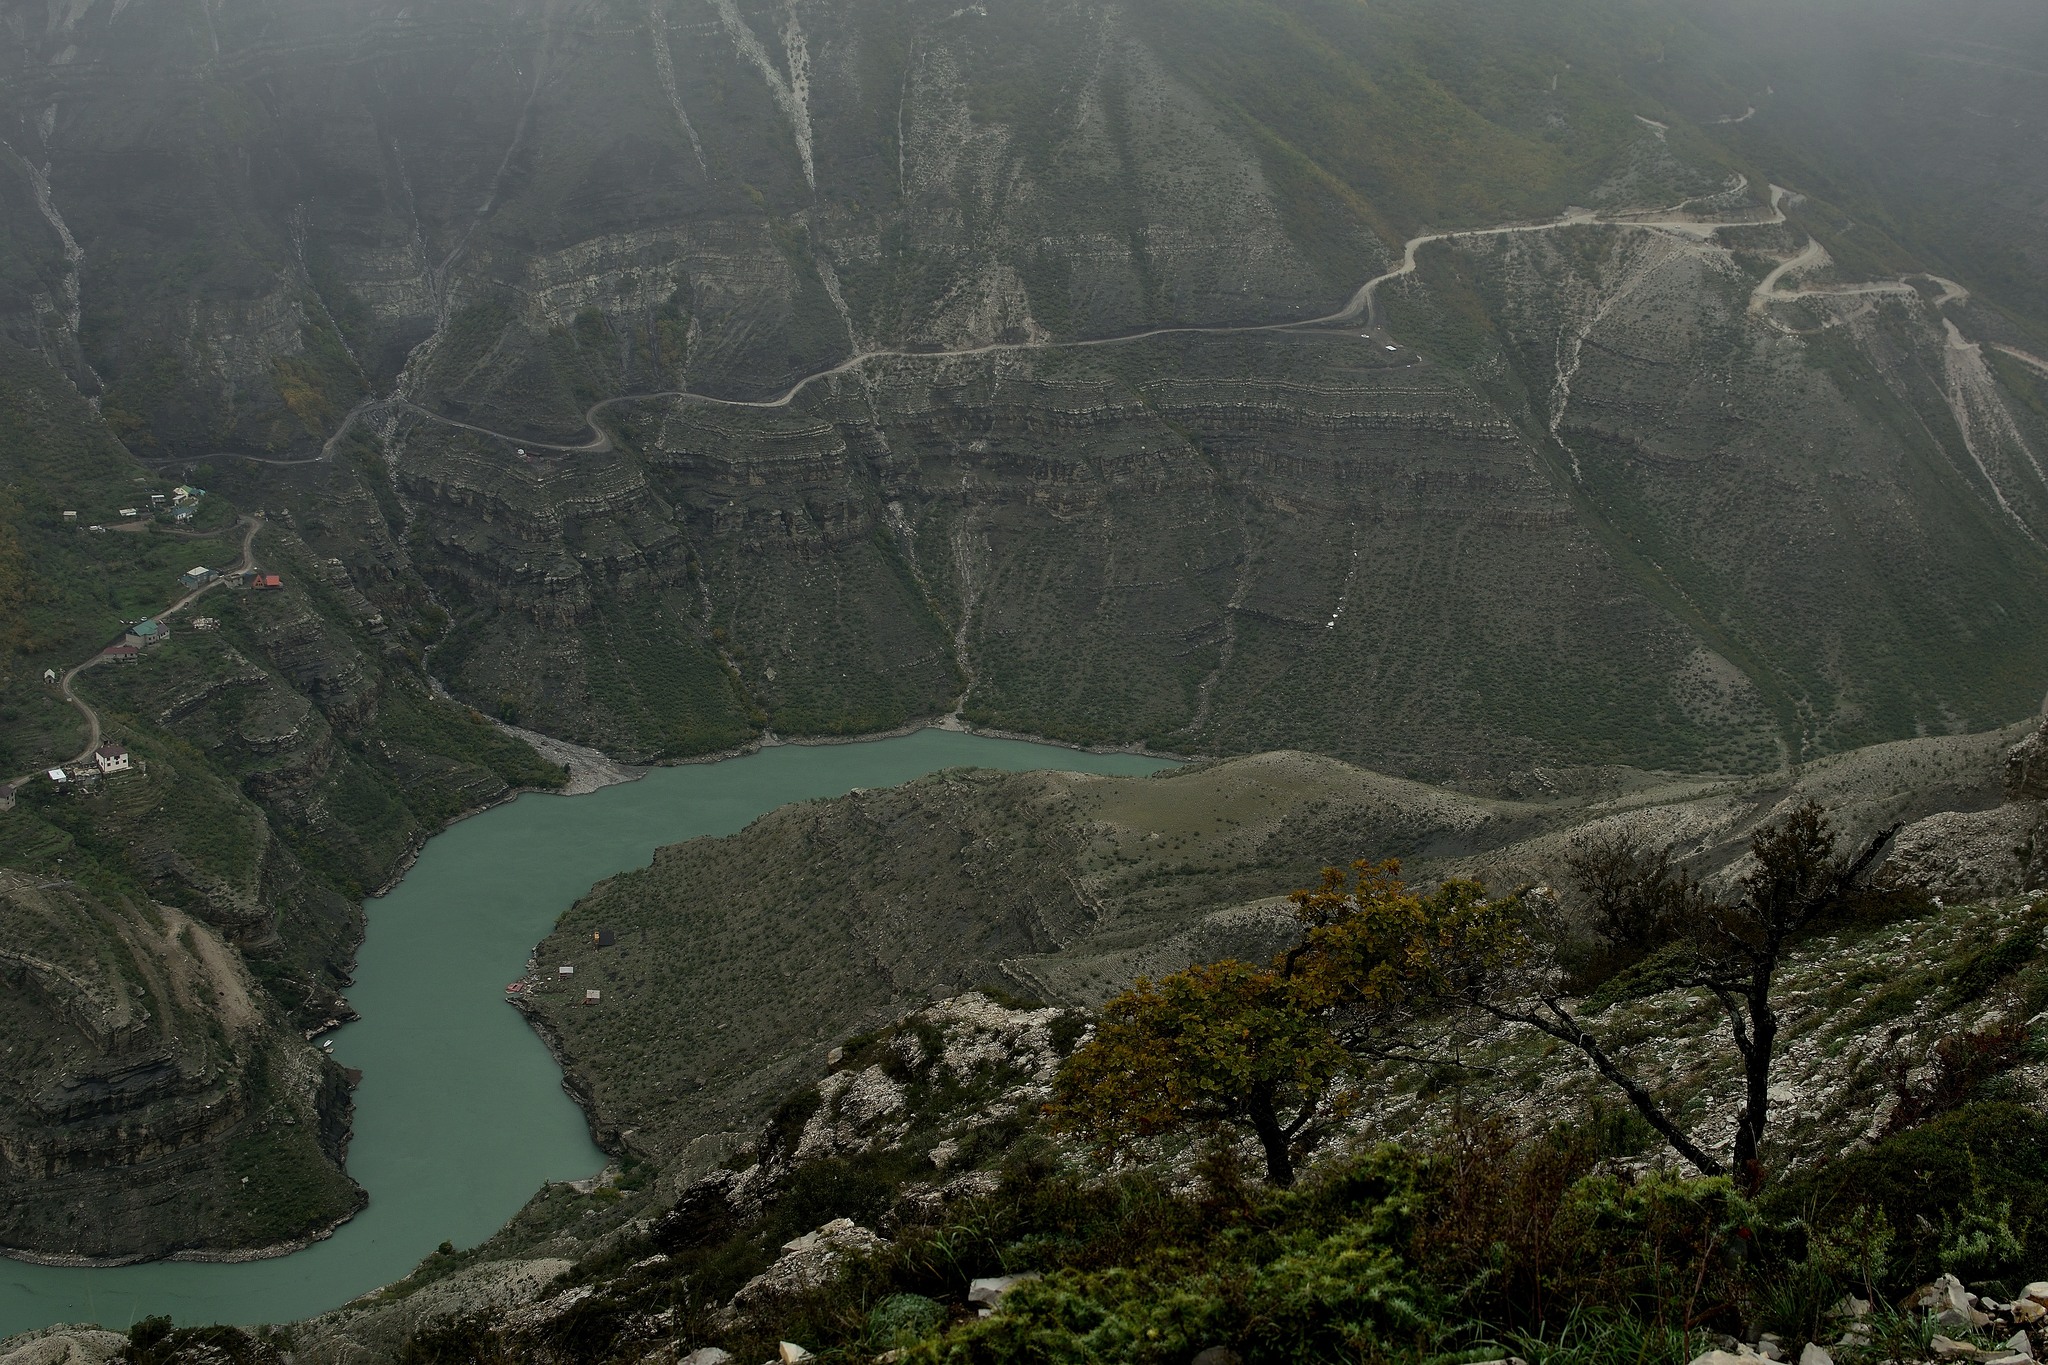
pixel 1362 304
pixel 2026 358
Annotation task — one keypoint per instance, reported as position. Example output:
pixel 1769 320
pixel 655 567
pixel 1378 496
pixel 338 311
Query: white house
pixel 112 758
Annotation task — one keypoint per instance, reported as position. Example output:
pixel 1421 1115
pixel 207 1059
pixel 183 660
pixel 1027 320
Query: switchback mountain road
pixel 1364 303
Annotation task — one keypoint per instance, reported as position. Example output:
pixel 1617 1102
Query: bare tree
pixel 1638 903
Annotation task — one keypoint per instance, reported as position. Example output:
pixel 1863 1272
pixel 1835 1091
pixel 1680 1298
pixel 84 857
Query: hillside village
pixel 180 506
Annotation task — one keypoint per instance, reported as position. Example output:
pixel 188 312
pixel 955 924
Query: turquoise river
pixel 460 1116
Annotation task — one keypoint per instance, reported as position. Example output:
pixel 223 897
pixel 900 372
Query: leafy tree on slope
pixel 1379 969
pixel 1262 1048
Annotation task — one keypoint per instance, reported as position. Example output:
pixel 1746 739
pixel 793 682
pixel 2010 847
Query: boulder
pixel 2026 768
pixel 788 1353
pixel 1950 1303
pixel 1217 1355
pixel 707 1355
pixel 1815 1354
pixel 988 1293
pixel 1970 855
pixel 807 1262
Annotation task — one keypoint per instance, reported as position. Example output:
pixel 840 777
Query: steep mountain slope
pixel 655 374
pixel 1690 530
pixel 172 933
pixel 1922 121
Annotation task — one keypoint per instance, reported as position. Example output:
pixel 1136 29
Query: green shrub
pixel 1965 1189
pixel 1980 1242
pixel 903 1319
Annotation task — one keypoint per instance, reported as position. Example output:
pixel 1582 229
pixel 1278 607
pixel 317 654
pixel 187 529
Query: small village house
pixel 144 634
pixel 198 576
pixel 71 516
pixel 112 758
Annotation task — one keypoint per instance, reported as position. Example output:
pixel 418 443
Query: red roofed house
pixel 268 582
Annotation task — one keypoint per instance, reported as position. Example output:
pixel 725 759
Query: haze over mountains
pixel 1595 504
pixel 653 376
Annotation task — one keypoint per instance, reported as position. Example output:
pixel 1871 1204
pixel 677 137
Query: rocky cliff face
pixel 1620 512
pixel 1611 497
pixel 154 1099
pixel 172 935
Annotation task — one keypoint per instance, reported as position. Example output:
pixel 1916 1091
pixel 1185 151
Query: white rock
pixel 2037 1291
pixel 1725 1358
pixel 788 1352
pixel 1813 1353
pixel 1946 1292
pixel 988 1293
pixel 1852 1307
pixel 808 1262
pixel 707 1355
pixel 1946 1349
pixel 2026 1310
pixel 2020 1344
pixel 1951 1304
